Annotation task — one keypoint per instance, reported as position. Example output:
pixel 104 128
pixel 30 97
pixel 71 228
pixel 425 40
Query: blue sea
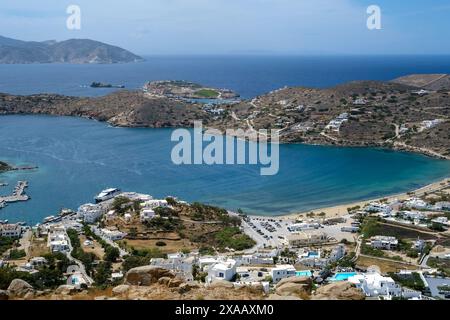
pixel 77 158
pixel 248 75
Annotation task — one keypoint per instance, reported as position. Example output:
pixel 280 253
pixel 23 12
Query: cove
pixel 77 158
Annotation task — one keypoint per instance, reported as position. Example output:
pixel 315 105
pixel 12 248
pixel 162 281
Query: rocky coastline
pixel 358 114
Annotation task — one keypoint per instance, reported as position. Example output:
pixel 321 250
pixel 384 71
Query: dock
pixel 17 195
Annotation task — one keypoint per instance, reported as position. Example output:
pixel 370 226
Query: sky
pixel 238 26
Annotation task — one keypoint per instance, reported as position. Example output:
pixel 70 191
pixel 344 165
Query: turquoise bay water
pixel 77 158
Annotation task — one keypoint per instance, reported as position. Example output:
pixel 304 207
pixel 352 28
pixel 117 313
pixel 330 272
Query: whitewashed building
pixel 57 239
pixel 295 227
pixel 416 203
pixel 383 242
pixel 147 214
pixel 113 235
pixel 10 230
pixel 154 203
pixel 179 263
pixel 254 259
pixel 377 207
pixel 442 206
pixel 224 270
pixel 90 213
pixel 374 285
pixel 441 220
pixel 413 215
pixel 282 271
pixel 337 253
pixel 419 245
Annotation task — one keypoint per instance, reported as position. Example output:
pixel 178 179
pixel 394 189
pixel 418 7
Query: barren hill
pixel 426 81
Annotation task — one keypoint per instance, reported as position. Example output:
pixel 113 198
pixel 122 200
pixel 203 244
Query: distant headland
pixel 79 51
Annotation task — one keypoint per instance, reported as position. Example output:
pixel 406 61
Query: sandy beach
pixel 341 210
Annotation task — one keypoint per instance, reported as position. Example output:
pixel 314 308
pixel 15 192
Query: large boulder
pixel 65 290
pixel 164 280
pixel 4 295
pixel 20 288
pixel 294 286
pixel 120 290
pixel 298 280
pixel 175 283
pixel 221 284
pixel 342 290
pixel 146 275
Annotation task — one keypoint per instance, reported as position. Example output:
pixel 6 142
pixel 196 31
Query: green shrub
pixel 15 254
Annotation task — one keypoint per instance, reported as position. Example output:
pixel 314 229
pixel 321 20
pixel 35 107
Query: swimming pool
pixel 342 276
pixel 303 273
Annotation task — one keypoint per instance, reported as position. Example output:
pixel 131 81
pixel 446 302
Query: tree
pixel 171 201
pixel 131 262
pixel 111 254
pixel 436 227
pixel 102 273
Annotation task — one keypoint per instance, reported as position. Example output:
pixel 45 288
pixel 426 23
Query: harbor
pixel 17 195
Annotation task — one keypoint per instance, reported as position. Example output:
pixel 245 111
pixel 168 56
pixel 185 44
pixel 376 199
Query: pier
pixel 17 195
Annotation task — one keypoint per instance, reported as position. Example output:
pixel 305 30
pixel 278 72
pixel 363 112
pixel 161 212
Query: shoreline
pixel 341 209
pixel 331 210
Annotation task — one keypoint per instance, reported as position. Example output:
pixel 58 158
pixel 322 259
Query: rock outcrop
pixel 146 275
pixel 65 290
pixel 221 284
pixel 294 286
pixel 20 289
pixel 338 291
pixel 120 290
pixel 4 295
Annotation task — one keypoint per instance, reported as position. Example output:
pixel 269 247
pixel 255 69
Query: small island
pixel 186 90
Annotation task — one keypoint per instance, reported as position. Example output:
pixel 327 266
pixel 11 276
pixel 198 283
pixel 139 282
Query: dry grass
pixel 96 248
pixel 38 247
pixel 171 245
pixel 385 266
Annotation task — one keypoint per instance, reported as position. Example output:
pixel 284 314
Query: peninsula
pixel 410 113
pixel 4 166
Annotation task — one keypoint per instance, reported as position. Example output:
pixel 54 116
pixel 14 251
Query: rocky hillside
pixel 69 51
pixel 361 113
pixel 122 108
pixel 152 283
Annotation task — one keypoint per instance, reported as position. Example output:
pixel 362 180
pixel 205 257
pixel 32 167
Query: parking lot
pixel 434 283
pixel 272 232
pixel 266 231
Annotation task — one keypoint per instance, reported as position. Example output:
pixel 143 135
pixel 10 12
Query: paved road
pixel 357 248
pixel 25 241
pixel 78 262
pixel 423 262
